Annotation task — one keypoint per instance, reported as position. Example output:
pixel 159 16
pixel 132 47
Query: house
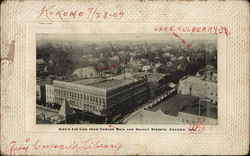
pixel 86 72
pixel 146 68
pixel 40 64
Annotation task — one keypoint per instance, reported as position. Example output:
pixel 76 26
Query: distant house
pixel 40 61
pixel 180 58
pixel 40 64
pixel 146 68
pixel 157 65
pixel 115 58
pixel 86 72
pixel 128 70
pixel 173 58
pixel 50 62
pixel 166 54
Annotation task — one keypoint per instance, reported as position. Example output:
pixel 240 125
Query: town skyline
pixel 93 82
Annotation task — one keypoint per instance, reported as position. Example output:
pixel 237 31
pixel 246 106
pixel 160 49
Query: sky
pixel 102 37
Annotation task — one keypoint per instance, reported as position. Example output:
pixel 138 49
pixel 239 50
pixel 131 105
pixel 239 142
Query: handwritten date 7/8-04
pixel 52 13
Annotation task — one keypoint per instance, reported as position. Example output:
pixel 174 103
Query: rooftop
pixel 89 81
pixel 102 83
pixel 158 117
pixel 156 76
pixel 197 79
pixel 108 83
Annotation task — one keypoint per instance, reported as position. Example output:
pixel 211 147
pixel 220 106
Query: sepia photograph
pixel 145 78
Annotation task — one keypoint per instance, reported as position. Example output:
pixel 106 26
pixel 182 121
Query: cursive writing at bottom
pixel 14 147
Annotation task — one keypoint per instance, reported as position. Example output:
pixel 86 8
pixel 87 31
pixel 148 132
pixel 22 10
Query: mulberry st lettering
pixel 194 29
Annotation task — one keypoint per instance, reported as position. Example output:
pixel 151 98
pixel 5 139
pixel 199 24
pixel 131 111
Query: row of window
pixel 80 96
pixel 86 106
pixel 49 97
pixel 50 91
pixel 78 104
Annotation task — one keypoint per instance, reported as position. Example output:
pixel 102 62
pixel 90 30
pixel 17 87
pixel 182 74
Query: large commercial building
pixel 157 82
pixel 197 86
pixel 102 96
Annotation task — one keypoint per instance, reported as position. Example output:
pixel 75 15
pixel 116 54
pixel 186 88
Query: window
pixel 84 97
pixel 90 98
pixel 96 99
pixel 81 96
pixel 103 101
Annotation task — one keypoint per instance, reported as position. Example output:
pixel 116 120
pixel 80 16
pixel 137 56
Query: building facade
pixel 196 86
pixel 49 91
pixel 101 97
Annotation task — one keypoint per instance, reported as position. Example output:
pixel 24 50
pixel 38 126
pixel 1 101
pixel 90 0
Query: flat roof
pixel 101 83
pixel 199 80
pixel 108 83
pixel 88 81
pixel 158 117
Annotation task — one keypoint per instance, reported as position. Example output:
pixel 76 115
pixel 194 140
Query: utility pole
pixel 199 107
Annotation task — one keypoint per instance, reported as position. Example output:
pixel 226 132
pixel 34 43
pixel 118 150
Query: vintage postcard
pixel 125 77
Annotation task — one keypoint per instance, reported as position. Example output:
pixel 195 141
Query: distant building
pixel 100 96
pixel 180 58
pixel 86 72
pixel 45 94
pixel 40 65
pixel 129 70
pixel 157 82
pixel 38 93
pixel 196 86
pixel 115 57
pixel 40 61
pixel 146 69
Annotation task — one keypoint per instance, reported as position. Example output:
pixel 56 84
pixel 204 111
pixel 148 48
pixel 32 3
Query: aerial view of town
pixel 125 79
